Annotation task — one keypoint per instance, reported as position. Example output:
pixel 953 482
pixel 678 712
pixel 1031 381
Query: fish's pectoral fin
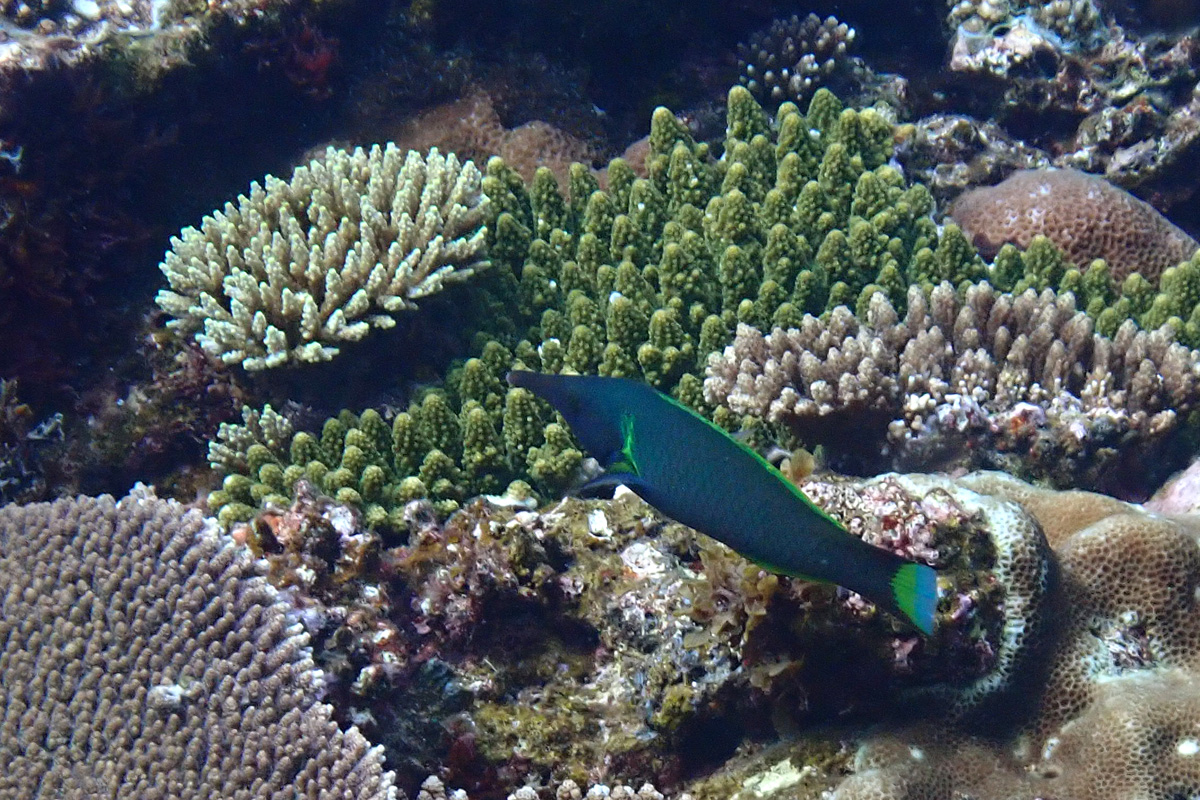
pixel 604 485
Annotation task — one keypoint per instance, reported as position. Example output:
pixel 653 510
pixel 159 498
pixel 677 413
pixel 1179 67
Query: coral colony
pixel 876 388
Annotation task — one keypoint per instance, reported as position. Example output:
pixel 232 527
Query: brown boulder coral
pixel 472 128
pixel 1118 715
pixel 1083 215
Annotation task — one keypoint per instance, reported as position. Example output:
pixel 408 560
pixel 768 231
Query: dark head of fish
pixel 591 405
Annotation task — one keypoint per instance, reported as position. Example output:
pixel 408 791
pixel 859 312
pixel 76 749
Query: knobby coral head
pixel 1084 215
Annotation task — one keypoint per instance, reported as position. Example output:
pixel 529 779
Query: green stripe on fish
pixel 696 473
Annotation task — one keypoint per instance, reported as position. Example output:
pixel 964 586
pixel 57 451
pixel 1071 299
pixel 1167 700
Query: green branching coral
pixel 642 280
pixel 647 278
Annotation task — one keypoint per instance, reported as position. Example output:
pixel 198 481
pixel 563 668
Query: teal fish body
pixel 696 473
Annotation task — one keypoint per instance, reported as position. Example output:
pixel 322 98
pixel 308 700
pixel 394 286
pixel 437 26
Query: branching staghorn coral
pixel 298 267
pixel 1022 382
pixel 646 278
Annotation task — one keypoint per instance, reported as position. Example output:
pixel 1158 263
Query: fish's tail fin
pixel 914 590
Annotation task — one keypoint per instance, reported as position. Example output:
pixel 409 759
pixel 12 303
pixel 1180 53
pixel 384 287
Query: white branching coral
pixel 300 266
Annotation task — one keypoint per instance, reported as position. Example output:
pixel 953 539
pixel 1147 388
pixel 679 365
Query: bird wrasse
pixel 697 474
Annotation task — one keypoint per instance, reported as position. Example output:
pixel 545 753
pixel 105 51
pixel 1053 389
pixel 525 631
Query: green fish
pixel 697 474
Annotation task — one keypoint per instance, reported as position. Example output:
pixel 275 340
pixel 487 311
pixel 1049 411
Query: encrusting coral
pixel 299 267
pixel 1085 216
pixel 143 656
pixel 981 380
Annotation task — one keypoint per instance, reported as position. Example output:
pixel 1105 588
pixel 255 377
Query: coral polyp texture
pixel 1085 216
pixel 144 657
pixel 1117 716
pixel 297 268
pixel 985 379
pixel 794 57
pixel 597 632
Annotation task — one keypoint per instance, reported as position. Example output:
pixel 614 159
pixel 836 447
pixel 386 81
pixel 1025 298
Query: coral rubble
pixel 987 379
pixel 1094 93
pixel 41 34
pixel 300 267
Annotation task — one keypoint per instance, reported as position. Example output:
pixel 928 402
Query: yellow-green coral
pixel 647 278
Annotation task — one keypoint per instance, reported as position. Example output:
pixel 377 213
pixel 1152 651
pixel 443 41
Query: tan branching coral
pixel 1084 215
pixel 1024 375
pixel 299 267
pixel 141 656
pixel 268 428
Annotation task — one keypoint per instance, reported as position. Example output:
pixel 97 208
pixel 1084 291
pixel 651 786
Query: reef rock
pixel 594 641
pixel 507 641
